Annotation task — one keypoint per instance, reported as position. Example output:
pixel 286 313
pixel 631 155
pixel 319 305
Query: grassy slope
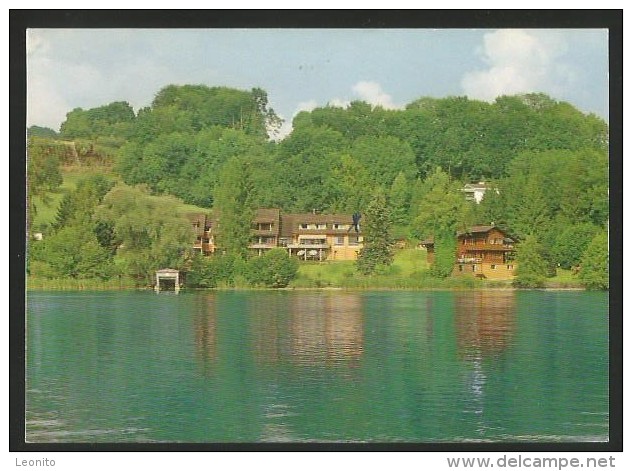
pixel 71 175
pixel 46 212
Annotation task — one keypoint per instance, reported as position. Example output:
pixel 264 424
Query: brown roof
pixel 480 229
pixel 311 218
pixel 290 222
pixel 267 215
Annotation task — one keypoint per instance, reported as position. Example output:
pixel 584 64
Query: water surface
pixel 317 366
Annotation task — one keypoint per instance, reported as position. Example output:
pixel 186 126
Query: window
pixel 302 226
pixel 473 267
pixel 460 267
pixel 264 226
pixel 339 226
pixel 493 267
pixel 509 267
pixel 353 240
pixel 321 226
pixel 340 240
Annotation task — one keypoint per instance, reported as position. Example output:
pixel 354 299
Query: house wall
pixel 345 251
pixel 500 272
pixel 336 251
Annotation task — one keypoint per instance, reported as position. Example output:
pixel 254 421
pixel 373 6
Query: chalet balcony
pixel 308 246
pixel 465 260
pixel 488 247
pixel 262 245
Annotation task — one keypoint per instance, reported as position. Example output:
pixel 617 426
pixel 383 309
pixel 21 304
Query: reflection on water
pixel 484 322
pixel 317 366
pixel 326 329
pixel 205 331
pixel 320 329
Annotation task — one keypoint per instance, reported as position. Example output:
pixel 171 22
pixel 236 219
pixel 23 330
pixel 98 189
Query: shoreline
pixel 323 289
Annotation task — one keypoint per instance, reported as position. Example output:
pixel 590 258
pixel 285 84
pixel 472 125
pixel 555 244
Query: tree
pixel 274 269
pixel 532 267
pixel 77 207
pixel 152 230
pixel 399 199
pixel 40 131
pixel 384 157
pixel 594 263
pixel 234 207
pixel 445 254
pixel 42 175
pixel 571 243
pixel 376 228
pixel 101 121
pixel 351 182
pixel 442 209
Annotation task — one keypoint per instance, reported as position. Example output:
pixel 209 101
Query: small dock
pixel 166 279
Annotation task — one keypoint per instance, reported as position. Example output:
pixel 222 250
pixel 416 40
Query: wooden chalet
pixel 483 251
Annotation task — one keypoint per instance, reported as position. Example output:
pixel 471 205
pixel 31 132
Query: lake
pixel 317 366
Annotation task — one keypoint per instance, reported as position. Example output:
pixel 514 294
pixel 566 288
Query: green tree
pixel 234 207
pixel 351 182
pixel 40 131
pixel 532 267
pixel 114 119
pixel 307 158
pixel 594 272
pixel 399 200
pixel 376 225
pixel 571 243
pixel 442 209
pixel 384 157
pixel 42 174
pixel 152 230
pixel 274 269
pixel 445 254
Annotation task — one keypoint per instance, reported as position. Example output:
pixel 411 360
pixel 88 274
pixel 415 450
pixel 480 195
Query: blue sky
pixel 301 69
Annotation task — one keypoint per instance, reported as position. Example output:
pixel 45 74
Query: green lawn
pixel 46 212
pixel 563 279
pixel 408 271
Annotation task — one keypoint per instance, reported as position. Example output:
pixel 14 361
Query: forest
pixel 201 148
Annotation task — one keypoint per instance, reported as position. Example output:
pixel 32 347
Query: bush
pixel 529 281
pixel 594 268
pixel 214 271
pixel 274 269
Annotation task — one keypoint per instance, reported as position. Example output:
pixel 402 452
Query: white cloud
pixel 338 103
pixel 520 61
pixel 372 93
pixel 286 127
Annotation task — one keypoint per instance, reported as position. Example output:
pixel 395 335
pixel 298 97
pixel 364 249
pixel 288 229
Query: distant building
pixel 320 236
pixel 202 225
pixel 475 191
pixel 482 251
pixel 307 236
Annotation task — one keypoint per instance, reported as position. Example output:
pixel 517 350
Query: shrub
pixel 274 269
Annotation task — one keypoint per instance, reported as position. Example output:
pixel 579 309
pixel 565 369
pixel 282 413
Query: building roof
pixel 267 215
pixel 291 221
pixel 479 229
pixel 475 186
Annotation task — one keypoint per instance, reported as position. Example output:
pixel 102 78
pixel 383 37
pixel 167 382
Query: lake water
pixel 309 366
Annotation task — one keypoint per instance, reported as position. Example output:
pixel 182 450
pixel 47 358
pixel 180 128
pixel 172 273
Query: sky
pixel 301 69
